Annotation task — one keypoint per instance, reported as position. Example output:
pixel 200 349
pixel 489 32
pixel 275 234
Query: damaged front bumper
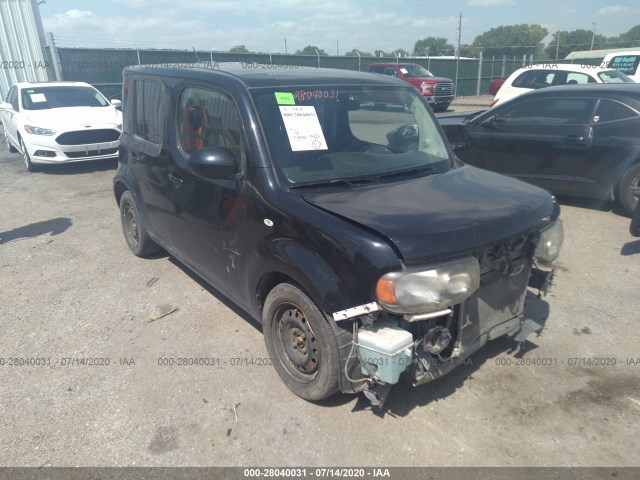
pixel 389 347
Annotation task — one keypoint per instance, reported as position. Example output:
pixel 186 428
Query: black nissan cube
pixel 367 250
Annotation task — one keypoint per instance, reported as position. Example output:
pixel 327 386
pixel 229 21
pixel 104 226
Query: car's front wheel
pixel 31 167
pixel 301 343
pixel 629 188
pixel 134 230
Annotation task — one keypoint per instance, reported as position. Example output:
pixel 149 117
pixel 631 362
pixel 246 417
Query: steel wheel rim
pixel 297 345
pixel 131 224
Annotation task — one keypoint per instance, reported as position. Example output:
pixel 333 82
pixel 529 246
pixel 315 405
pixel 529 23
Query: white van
pixel 625 62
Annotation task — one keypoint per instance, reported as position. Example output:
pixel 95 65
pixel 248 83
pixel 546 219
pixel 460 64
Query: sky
pixel 334 26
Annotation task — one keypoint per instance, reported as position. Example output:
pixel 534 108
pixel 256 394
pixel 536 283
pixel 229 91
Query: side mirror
pixel 116 103
pixel 492 122
pixel 213 163
pixel 6 106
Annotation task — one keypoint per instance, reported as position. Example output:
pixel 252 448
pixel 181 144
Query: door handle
pixel 175 180
pixel 573 139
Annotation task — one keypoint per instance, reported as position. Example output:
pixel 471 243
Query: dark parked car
pixel 579 140
pixel 367 251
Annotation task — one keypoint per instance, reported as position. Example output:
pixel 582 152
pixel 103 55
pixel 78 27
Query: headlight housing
pixel 38 130
pixel 429 290
pixel 550 243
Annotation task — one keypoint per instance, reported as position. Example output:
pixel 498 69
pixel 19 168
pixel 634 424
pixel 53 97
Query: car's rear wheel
pixel 31 167
pixel 10 147
pixel 134 230
pixel 629 188
pixel 301 343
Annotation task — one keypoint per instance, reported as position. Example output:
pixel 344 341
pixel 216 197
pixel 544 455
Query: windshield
pixel 414 71
pixel 346 135
pixel 614 76
pixel 43 98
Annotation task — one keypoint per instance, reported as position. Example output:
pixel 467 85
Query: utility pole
pixel 285 45
pixel 594 34
pixel 557 43
pixel 458 53
pixel 337 48
pixel 459 35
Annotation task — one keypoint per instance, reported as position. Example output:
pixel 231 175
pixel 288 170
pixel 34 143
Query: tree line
pixel 509 40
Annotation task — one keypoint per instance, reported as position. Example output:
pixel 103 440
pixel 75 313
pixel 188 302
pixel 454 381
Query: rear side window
pixel 609 111
pixel 539 79
pixel 577 78
pixel 148 112
pixel 377 69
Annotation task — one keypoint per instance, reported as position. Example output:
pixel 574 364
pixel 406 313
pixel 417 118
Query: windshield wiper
pixel 333 183
pixel 406 171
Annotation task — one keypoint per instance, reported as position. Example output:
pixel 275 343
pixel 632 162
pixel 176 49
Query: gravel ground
pixel 71 289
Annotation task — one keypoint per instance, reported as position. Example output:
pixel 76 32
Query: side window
pixel 12 98
pixel 148 111
pixel 377 69
pixel 391 72
pixel 609 111
pixel 535 79
pixel 552 111
pixel 574 78
pixel 208 118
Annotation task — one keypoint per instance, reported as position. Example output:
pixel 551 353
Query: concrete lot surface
pixel 86 330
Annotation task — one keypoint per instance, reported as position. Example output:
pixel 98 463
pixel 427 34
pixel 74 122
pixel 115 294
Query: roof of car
pixel 570 67
pixel 254 75
pixel 590 89
pixel 50 84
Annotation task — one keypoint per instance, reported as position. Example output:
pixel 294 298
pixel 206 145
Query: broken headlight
pixel 550 243
pixel 430 290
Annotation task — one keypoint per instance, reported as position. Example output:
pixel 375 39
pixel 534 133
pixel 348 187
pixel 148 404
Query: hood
pixel 460 210
pixel 72 118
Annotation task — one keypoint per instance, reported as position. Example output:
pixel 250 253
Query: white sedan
pixel 544 75
pixel 60 122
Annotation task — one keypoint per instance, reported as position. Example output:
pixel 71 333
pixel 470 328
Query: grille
pixel 86 137
pixel 92 153
pixel 444 89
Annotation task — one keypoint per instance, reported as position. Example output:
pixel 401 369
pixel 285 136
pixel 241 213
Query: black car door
pixel 209 229
pixel 616 145
pixel 145 149
pixel 543 140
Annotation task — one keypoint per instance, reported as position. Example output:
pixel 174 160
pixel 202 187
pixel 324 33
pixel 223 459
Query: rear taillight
pixel 495 100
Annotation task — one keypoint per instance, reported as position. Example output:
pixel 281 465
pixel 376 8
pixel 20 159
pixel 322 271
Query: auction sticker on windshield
pixel 303 128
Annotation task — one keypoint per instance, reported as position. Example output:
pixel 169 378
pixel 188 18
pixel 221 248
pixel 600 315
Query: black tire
pixel 10 147
pixel 31 167
pixel 301 343
pixel 133 229
pixel 629 189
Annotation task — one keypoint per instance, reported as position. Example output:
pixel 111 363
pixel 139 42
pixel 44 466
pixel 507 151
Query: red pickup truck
pixel 437 91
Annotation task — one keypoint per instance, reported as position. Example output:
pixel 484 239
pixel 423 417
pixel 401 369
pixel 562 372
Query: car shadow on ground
pixel 628 249
pixel 218 295
pixel 592 204
pixel 53 226
pixel 78 168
